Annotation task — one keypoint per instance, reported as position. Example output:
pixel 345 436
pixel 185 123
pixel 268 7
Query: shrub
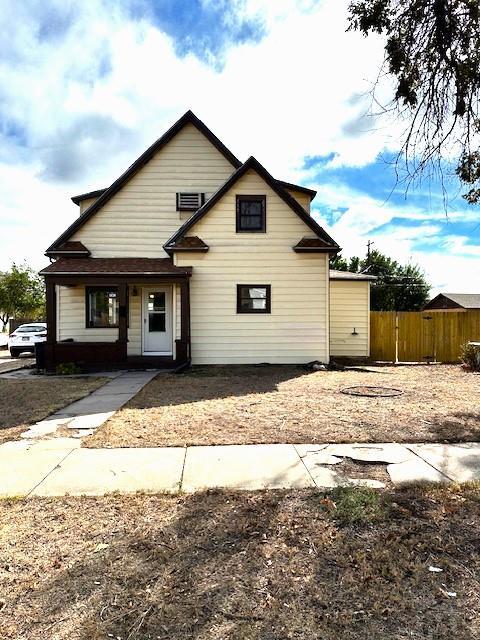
pixel 470 356
pixel 67 369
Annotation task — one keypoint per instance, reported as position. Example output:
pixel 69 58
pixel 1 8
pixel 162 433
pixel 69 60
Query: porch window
pixel 102 307
pixel 251 214
pixel 253 298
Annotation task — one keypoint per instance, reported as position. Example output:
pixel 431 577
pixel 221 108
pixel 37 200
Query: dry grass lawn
pixel 237 405
pixel 242 566
pixel 23 402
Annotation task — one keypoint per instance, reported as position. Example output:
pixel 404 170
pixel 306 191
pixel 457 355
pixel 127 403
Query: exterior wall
pixel 71 318
pixel 138 220
pixel 296 331
pixel 349 310
pixel 301 198
pixel 84 204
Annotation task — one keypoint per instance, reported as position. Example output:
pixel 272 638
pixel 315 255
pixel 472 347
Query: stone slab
pixel 414 471
pixel 387 453
pixel 313 456
pixel 89 421
pixel 260 466
pixel 460 462
pixel 22 468
pixel 100 471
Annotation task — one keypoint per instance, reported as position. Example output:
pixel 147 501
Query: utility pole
pixel 369 244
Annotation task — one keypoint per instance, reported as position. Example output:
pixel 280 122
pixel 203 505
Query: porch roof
pixel 115 266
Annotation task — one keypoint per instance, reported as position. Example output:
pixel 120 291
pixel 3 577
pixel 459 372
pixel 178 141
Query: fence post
pixel 396 337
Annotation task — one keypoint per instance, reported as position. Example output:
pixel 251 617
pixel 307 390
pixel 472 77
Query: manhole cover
pixel 372 392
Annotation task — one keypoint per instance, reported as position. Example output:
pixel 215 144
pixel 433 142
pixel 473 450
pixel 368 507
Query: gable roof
pixel 188 118
pixel 465 300
pixel 252 163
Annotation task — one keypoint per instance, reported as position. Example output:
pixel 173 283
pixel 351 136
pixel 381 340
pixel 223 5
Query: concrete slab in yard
pixel 101 471
pixel 414 471
pixel 23 467
pixel 259 466
pixel 89 421
pixel 460 462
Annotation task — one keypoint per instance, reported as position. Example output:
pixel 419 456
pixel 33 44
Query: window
pixel 190 201
pixel 102 307
pixel 251 214
pixel 253 298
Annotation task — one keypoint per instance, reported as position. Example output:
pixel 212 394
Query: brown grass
pixel 237 405
pixel 24 402
pixel 265 566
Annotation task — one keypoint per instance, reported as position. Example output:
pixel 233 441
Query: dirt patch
pixel 24 402
pixel 241 405
pixel 267 565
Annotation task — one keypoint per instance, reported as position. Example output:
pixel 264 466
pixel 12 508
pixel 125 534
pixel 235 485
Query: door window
pixel 156 311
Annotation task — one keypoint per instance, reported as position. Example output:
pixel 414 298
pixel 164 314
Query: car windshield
pixel 30 328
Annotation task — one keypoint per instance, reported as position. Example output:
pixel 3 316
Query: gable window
pixel 253 298
pixel 101 307
pixel 251 214
pixel 190 201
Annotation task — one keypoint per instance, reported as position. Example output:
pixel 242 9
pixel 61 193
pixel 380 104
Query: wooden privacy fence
pixel 421 336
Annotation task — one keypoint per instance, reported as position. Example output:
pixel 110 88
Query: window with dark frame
pixel 102 309
pixel 251 216
pixel 190 201
pixel 254 298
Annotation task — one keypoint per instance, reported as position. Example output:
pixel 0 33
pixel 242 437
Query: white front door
pixel 157 321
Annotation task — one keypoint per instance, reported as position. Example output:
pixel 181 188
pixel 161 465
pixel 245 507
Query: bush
pixel 67 369
pixel 470 356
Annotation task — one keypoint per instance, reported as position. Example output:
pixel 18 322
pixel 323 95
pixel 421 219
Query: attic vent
pixel 190 201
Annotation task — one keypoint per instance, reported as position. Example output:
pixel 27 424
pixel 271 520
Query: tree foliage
pixel 22 294
pixel 432 49
pixel 397 288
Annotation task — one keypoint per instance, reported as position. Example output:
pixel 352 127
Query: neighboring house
pixel 454 302
pixel 194 256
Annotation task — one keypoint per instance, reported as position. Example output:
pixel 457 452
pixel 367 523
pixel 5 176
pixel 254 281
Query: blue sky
pixel 85 86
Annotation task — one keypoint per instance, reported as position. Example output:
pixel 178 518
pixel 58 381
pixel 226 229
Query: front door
pixel 157 321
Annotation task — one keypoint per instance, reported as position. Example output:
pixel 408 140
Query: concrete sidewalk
pixel 59 467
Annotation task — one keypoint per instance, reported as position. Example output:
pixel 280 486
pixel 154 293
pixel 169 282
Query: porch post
pixel 185 319
pixel 122 313
pixel 51 307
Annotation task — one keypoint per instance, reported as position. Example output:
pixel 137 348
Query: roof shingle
pixel 115 266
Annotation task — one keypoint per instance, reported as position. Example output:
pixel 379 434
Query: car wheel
pixel 14 353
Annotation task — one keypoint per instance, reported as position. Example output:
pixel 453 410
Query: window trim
pixel 179 193
pixel 268 306
pixel 92 289
pixel 263 200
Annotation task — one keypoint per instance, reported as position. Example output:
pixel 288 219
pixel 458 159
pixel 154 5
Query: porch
pixel 106 313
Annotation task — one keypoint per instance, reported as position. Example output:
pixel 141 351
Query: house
pixel 454 302
pixel 193 256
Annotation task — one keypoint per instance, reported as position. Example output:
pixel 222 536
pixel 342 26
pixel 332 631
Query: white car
pixel 25 337
pixel 3 340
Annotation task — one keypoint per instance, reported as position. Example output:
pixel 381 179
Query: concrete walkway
pixel 89 413
pixel 59 466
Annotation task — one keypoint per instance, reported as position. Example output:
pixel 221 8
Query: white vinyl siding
pixel 138 220
pixel 349 312
pixel 84 204
pixel 301 198
pixel 296 330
